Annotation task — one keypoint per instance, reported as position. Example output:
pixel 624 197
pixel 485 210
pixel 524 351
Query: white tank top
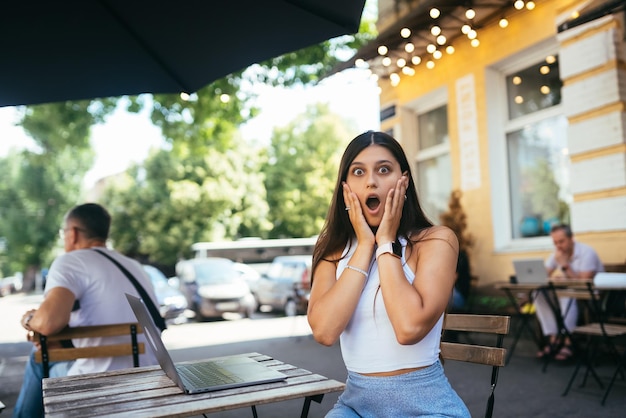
pixel 369 344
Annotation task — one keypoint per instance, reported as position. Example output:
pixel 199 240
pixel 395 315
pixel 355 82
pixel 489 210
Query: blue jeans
pixel 30 400
pixel 422 393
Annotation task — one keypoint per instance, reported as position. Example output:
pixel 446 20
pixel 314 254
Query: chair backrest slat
pixel 491 355
pixel 132 348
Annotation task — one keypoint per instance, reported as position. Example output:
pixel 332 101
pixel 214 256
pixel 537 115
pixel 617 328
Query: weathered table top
pixel 148 392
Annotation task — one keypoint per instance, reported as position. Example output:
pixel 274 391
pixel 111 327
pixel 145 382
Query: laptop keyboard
pixel 207 374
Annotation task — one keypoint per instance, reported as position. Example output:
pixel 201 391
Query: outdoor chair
pixel 47 354
pixel 491 355
pixel 602 332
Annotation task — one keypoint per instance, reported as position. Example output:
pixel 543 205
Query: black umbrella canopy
pixel 54 51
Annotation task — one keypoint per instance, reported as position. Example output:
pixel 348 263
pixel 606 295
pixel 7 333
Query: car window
pixel 215 273
pixel 281 270
pixel 157 278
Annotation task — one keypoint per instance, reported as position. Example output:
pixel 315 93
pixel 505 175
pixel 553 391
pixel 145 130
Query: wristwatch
pixel 27 320
pixel 394 248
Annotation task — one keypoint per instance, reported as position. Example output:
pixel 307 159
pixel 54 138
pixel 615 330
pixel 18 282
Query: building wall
pixel 593 70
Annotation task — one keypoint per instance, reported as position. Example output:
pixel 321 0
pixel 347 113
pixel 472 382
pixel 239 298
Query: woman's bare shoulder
pixel 434 232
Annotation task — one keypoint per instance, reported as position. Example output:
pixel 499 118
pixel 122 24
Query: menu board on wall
pixel 468 133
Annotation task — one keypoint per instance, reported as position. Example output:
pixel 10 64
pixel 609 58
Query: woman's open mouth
pixel 372 203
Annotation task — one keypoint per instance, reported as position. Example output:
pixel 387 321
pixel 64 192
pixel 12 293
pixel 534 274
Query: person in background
pixel 82 288
pixel 572 260
pixel 382 278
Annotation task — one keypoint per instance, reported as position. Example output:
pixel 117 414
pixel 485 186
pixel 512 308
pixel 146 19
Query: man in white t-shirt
pixel 573 260
pixel 83 288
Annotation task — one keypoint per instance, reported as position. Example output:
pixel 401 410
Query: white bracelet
pixel 363 272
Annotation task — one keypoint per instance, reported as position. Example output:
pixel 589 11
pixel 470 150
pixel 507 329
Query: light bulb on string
pixel 382 50
pixel 416 60
pixel 470 13
pixel 519 4
pixel 503 23
pixel 530 5
pixel 435 30
pixel 405 32
pixel 409 47
pixel 434 13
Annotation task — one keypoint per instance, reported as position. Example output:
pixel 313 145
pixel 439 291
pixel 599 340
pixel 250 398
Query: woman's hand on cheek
pixel 388 229
pixel 357 219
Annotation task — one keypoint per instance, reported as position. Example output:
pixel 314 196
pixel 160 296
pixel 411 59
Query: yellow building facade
pixel 528 122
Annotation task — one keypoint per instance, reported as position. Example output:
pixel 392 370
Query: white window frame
pixel 498 126
pixel 409 115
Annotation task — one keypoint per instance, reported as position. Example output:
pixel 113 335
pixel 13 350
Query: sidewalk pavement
pixel 523 390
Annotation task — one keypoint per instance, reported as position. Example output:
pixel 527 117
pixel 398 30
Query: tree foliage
pixel 39 186
pixel 161 208
pixel 303 159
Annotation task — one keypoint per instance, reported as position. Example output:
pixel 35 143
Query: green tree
pixel 164 206
pixel 302 165
pixel 40 185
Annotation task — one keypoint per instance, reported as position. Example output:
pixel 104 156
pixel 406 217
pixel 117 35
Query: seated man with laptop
pixel 572 260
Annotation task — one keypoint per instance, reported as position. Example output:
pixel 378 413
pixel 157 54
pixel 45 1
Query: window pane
pixel 539 177
pixel 433 127
pixel 434 184
pixel 534 88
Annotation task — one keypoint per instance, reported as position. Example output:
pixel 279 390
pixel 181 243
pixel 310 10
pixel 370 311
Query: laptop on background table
pixel 204 375
pixel 530 271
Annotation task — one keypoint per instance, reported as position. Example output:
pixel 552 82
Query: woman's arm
pixel 414 309
pixel 332 302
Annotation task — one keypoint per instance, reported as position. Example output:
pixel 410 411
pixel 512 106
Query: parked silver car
pixel 214 286
pixel 286 285
pixel 172 303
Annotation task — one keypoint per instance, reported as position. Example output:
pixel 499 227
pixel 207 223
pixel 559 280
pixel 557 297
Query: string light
pixel 402 59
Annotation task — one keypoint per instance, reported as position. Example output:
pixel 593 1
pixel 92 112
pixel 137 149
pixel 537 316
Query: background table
pixel 148 392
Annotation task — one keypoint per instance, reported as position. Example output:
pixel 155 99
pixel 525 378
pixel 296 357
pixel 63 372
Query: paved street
pixel 522 391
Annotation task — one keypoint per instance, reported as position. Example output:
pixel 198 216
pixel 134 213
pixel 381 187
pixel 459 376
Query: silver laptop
pixel 530 271
pixel 205 375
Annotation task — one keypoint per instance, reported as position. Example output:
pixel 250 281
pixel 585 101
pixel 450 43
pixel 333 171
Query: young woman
pixel 382 277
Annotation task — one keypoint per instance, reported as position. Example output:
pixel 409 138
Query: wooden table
pixel 148 392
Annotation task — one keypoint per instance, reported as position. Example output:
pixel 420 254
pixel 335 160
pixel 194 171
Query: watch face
pixel 397 248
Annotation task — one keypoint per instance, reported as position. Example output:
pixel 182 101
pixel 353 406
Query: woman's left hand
pixel 388 229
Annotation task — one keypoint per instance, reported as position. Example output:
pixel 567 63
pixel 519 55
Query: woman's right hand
pixel 362 230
